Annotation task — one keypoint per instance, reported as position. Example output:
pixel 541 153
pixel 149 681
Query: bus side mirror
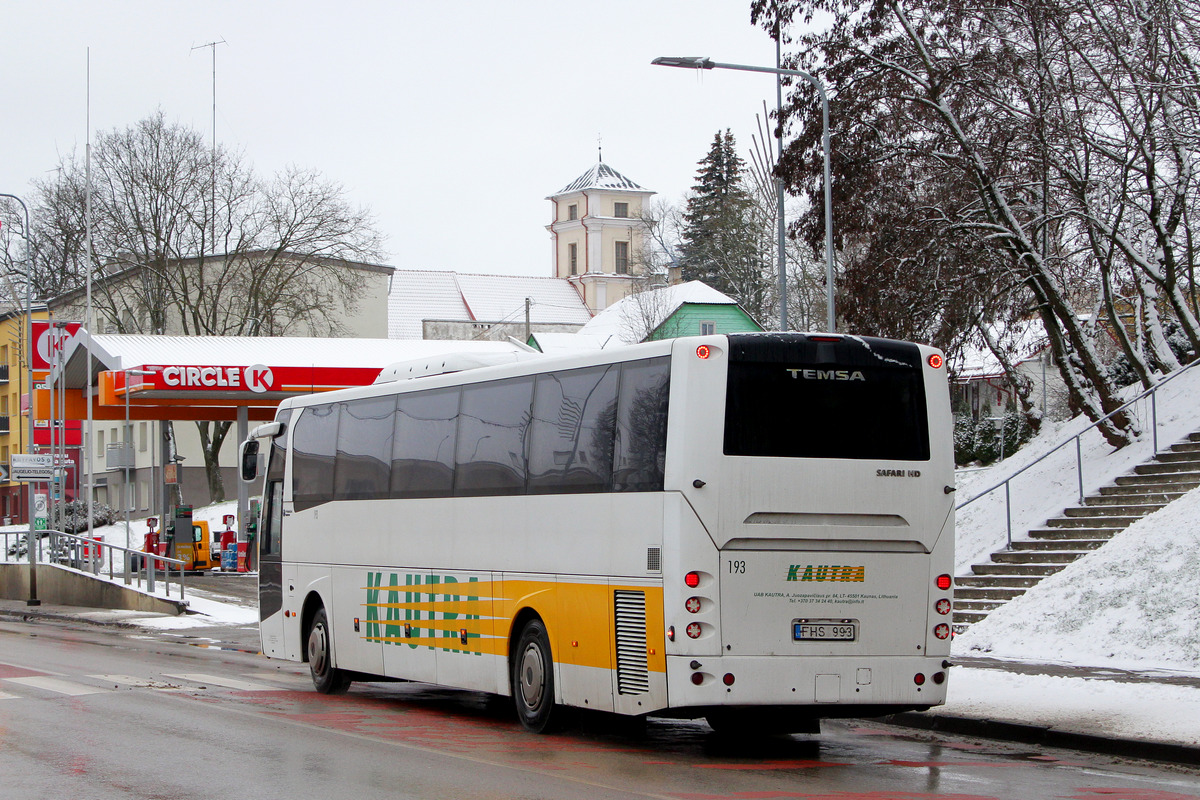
pixel 249 460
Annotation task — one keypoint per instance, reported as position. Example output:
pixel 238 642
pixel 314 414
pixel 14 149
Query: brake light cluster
pixel 695 628
pixel 943 605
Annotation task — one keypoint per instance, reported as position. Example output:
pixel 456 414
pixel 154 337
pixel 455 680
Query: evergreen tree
pixel 718 237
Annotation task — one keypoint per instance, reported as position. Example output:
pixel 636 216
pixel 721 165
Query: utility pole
pixel 213 46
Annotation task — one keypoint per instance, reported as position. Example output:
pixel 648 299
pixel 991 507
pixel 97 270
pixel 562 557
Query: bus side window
pixel 641 445
pixel 493 429
pixel 363 465
pixel 571 444
pixel 314 446
pixel 423 455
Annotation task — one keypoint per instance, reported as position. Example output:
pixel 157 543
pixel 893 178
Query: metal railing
pixel 1006 483
pixel 88 555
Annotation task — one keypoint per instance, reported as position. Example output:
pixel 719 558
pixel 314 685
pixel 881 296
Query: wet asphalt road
pixel 115 713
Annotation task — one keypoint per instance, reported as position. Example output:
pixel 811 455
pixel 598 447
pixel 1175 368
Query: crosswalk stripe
pixel 57 685
pixel 136 682
pixel 228 683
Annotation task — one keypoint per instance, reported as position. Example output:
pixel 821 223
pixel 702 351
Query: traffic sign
pixel 32 467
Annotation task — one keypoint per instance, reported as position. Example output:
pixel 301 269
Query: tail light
pixel 919 679
pixel 692 580
pixel 942 631
pixel 944 582
pixel 936 360
pixel 942 606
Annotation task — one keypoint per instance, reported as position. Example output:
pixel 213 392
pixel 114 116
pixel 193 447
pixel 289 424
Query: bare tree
pixel 981 97
pixel 193 242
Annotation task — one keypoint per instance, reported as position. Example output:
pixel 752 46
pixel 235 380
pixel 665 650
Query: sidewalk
pixel 1148 714
pixel 1136 714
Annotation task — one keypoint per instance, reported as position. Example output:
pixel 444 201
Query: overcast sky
pixel 452 122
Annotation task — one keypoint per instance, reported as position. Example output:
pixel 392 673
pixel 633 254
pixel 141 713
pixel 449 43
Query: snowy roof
pixel 626 320
pixel 1023 342
pixel 601 176
pixel 419 295
pixel 126 351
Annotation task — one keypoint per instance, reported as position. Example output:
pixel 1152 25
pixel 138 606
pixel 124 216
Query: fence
pixel 1007 482
pixel 88 555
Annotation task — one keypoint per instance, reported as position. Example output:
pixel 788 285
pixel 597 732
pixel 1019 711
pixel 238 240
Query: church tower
pixel 597 233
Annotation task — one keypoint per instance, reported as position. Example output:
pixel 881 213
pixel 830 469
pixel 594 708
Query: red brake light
pixel 728 679
pixel 919 679
pixel 703 351
pixel 944 582
pixel 936 360
pixel 692 579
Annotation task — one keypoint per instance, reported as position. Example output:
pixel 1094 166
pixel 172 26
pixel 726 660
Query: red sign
pixel 50 340
pixel 256 378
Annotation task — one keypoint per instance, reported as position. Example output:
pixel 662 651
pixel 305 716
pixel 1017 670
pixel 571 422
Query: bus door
pixel 270 569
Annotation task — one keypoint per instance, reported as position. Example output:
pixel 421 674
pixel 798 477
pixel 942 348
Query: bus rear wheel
pixel 326 678
pixel 533 678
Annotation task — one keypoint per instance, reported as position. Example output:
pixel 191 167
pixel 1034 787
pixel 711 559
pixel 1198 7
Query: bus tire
pixel 326 678
pixel 533 678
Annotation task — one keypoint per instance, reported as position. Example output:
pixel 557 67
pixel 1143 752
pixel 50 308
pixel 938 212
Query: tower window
pixel 622 258
pixel 573 257
pixel 572 211
pixel 620 209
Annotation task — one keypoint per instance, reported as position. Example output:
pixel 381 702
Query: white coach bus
pixel 756 529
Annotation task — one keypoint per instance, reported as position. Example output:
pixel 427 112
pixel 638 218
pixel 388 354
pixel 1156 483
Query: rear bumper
pixel 821 682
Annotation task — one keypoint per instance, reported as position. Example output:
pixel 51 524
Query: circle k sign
pixel 259 378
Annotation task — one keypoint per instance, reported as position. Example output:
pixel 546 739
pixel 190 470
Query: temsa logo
pixel 827 375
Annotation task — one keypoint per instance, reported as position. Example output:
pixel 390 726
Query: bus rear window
pixel 856 398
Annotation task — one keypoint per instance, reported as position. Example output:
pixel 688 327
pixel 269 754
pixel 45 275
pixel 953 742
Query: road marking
pixel 138 683
pixel 4 696
pixel 228 683
pixel 57 686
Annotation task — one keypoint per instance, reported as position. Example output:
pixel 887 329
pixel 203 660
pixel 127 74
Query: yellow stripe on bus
pixel 578 617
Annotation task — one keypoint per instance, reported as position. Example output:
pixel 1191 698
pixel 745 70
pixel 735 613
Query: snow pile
pixel 1133 603
pixel 1147 712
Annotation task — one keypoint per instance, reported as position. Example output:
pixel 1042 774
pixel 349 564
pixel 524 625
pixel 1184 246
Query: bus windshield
pixel 852 397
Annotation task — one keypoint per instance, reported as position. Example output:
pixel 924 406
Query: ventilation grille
pixel 653 559
pixel 633 674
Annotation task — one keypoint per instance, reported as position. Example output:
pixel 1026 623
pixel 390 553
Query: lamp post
pixel 33 598
pixel 688 62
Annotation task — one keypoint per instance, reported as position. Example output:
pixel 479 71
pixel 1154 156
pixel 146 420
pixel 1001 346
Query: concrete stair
pixel 1079 530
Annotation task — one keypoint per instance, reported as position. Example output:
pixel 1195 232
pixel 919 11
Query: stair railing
pixel 1006 483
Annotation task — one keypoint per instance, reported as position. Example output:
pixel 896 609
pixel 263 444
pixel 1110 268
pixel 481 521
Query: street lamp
pixel 688 62
pixel 33 598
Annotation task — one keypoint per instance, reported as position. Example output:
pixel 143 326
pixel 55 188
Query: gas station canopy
pixel 143 377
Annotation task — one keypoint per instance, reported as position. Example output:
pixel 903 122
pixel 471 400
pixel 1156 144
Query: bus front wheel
pixel 533 678
pixel 326 678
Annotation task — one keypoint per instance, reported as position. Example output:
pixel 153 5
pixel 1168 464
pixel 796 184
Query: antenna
pixel 600 147
pixel 213 46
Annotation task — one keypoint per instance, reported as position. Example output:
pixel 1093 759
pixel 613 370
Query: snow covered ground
pixel 1133 604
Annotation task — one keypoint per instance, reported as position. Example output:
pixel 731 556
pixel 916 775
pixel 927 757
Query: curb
pixel 27 615
pixel 1048 737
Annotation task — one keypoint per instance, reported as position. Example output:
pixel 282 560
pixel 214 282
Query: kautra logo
pixel 421 610
pixel 825 572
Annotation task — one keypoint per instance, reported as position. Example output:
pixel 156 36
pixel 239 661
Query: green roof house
pixel 686 309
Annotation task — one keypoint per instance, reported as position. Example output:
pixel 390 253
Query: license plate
pixel 824 630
